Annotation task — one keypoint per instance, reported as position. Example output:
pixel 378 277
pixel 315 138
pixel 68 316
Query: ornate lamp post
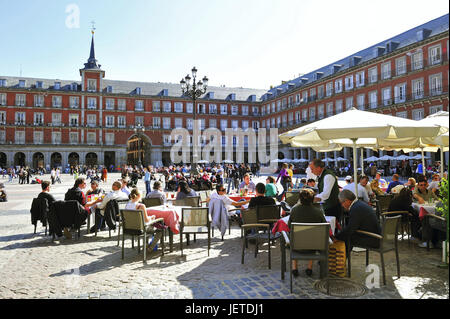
pixel 138 130
pixel 194 91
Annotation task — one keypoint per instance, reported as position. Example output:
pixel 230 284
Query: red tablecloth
pixel 237 198
pixel 170 216
pixel 281 225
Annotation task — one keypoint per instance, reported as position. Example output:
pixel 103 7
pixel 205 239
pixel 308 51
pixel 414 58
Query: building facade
pixel 98 121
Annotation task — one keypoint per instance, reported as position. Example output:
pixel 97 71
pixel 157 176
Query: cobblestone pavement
pixel 31 266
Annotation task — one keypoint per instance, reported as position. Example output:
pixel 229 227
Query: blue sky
pixel 236 43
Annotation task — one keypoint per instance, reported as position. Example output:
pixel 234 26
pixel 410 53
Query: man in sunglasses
pixel 421 193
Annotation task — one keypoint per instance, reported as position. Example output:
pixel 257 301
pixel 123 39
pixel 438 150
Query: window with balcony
pixel 189 108
pixel 166 123
pixel 349 103
pixel 278 106
pixel 305 114
pixel 255 111
pixel 297 99
pixel 330 109
pixel 338 106
pixel 19 137
pixel 2 137
pixel 298 117
pixel 417 87
pixel 167 106
pixel 213 109
pixel 273 107
pixel 291 100
pixel 417 60
pixel 245 110
pixel 20 118
pixel 436 108
pixel 178 107
pixel 38 137
pixel 400 93
pixel 201 108
pixel 156 106
pixel 167 140
pixel 359 79
pixel 91 138
pixel 91 120
pixel 403 115
pixel 92 103
pixel 320 92
pixel 92 85
pixel 20 99
pixel 234 110
pixel 73 137
pixel 329 89
pixel 373 103
pixel 245 125
pixel 349 82
pixel 109 104
pixel 434 54
pixel 436 84
pixel 321 111
pixel 109 138
pixel 56 137
pixel 38 100
pixel 121 121
pixel 122 105
pixel 373 75
pixel 3 118
pixel 312 114
pixel 386 94
pixel 139 105
pixel 190 124
pixel 386 70
pixel 213 123
pixel 39 119
pixel 223 109
pixel 338 86
pixel 2 99
pixel 56 119
pixel 156 122
pixel 73 119
pixel 418 114
pixel 223 124
pixel 400 66
pixel 360 100
pixel 139 121
pixel 109 121
pixel 74 102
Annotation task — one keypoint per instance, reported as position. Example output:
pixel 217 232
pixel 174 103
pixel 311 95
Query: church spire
pixel 92 62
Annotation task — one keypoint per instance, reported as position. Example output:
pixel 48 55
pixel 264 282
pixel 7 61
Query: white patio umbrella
pixel 227 161
pixel 356 127
pixel 203 162
pixel 402 158
pixel 341 159
pixel 371 159
pixel 386 158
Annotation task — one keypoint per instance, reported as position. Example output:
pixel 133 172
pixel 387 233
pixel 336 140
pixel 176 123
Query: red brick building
pixel 47 122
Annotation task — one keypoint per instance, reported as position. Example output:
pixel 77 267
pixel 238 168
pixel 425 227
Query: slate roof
pixel 397 42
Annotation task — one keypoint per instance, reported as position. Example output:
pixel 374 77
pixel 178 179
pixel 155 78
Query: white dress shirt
pixel 328 183
pixel 362 193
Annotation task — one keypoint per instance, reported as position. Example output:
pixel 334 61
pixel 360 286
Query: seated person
pixel 124 187
pixel 3 196
pixel 260 199
pixel 157 192
pixel 301 184
pixel 134 203
pixel 100 204
pixel 362 193
pixel 184 191
pixel 311 184
pixel 95 190
pixel 76 192
pixel 411 184
pixel 395 182
pixel 221 194
pixel 305 212
pixel 435 184
pixel 382 182
pixel 247 183
pixel 362 217
pixel 422 194
pixel 45 185
pixel 402 201
pixel 364 182
pixel 375 186
pixel 271 188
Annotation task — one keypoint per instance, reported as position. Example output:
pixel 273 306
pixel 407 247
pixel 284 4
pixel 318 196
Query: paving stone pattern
pixel 31 266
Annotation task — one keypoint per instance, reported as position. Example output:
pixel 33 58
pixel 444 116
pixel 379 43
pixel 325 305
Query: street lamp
pixel 138 130
pixel 194 91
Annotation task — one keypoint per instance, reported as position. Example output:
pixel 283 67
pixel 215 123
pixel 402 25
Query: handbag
pixel 337 258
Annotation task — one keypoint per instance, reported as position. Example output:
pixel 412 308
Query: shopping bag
pixel 337 258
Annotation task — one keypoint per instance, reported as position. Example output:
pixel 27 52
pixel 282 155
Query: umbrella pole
pixel 355 167
pixel 423 164
pixel 362 161
pixel 442 162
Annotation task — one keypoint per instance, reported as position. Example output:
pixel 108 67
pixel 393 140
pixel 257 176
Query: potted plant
pixel 443 211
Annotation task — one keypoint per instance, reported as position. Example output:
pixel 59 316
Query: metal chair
pixel 195 220
pixel 251 228
pixel 388 242
pixel 405 222
pixel 134 225
pixel 292 198
pixel 193 201
pixel 308 241
pixel 151 202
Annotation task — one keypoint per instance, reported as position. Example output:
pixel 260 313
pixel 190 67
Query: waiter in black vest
pixel 328 189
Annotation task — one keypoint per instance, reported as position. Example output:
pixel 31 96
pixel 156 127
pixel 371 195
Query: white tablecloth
pixel 430 208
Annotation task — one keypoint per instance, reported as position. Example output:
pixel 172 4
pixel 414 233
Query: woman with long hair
pixel 184 190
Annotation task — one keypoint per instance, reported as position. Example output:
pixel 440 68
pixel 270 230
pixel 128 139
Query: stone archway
pixel 139 150
pixel 74 159
pixel 38 160
pixel 3 160
pixel 55 160
pixel 91 159
pixel 19 159
pixel 110 159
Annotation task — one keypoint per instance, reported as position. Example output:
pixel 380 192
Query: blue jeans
pixel 147 188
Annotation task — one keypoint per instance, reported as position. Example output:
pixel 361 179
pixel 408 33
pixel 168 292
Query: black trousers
pixel 335 211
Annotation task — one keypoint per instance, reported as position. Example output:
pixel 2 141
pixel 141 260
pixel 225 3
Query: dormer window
pixel 39 85
pixel 57 85
pixel 2 83
pixel 109 89
pixel 138 91
pixel 21 83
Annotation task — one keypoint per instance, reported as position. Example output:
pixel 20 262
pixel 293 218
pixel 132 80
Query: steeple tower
pixel 92 71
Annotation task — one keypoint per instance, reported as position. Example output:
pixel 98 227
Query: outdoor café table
pixel 237 197
pixel 424 209
pixel 282 225
pixel 171 216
